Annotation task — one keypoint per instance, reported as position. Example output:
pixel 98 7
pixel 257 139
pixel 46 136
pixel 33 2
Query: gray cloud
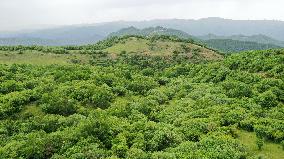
pixel 21 14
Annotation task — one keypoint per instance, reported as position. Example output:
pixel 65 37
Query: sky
pixel 30 14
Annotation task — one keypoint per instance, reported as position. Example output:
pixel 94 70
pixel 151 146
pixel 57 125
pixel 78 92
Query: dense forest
pixel 185 101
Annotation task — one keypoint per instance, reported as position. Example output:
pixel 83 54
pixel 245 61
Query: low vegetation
pixel 125 103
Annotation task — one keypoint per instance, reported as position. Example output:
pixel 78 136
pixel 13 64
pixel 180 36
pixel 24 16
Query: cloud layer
pixel 22 14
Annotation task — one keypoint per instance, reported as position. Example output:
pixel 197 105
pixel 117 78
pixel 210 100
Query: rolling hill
pixel 163 46
pixel 243 43
pixel 168 48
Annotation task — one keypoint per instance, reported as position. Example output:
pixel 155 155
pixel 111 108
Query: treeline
pixel 44 49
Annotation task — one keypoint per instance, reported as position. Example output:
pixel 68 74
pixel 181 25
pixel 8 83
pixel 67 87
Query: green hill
pixel 230 44
pixel 162 46
pixel 151 31
pixel 114 48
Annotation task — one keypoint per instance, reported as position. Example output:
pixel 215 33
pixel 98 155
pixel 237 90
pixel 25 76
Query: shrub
pixel 267 99
pixel 142 84
pixel 57 103
pixel 237 89
pixel 89 93
pixel 259 143
pixel 10 86
pixel 14 102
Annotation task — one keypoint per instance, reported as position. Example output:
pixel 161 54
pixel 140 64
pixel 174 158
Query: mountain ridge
pixel 218 26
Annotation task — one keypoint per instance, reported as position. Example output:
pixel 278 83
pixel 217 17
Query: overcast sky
pixel 23 14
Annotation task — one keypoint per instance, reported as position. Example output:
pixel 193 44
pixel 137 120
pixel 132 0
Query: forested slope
pixel 259 38
pixel 141 106
pixel 233 46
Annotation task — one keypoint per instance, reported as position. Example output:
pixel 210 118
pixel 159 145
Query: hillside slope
pixel 228 109
pixel 263 39
pixel 232 46
pixel 171 49
pixel 164 46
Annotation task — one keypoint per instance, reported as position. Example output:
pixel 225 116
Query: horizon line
pixel 55 26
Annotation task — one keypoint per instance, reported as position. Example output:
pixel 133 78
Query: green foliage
pixel 14 102
pixel 142 107
pixel 237 89
pixel 142 84
pixel 44 49
pixel 119 146
pixel 99 96
pixel 10 86
pixel 259 143
pixel 267 99
pixel 55 104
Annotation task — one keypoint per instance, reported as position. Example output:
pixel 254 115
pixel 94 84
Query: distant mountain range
pixel 27 41
pixel 272 32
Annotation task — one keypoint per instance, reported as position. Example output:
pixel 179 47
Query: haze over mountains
pixel 262 31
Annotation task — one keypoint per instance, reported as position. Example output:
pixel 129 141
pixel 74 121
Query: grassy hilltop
pixel 159 46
